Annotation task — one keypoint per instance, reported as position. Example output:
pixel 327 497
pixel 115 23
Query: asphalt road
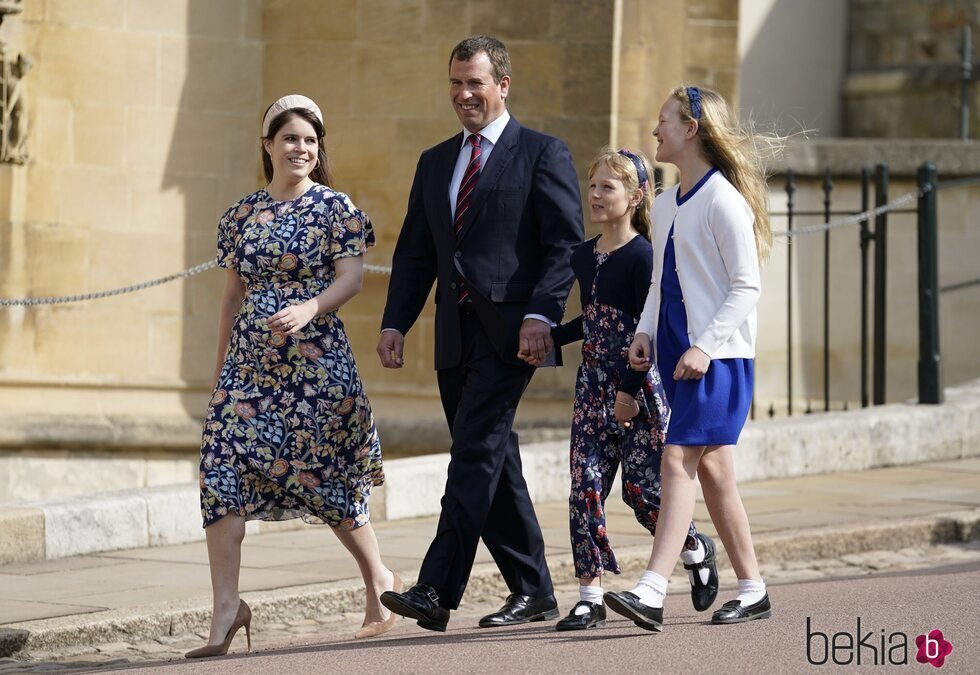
pixel 893 609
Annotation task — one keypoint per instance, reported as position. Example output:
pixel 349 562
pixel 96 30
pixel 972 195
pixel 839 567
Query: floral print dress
pixel 289 431
pixel 599 444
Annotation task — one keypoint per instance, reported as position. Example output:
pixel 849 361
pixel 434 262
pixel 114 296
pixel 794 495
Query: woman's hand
pixel 292 319
pixel 626 408
pixel 640 353
pixel 692 365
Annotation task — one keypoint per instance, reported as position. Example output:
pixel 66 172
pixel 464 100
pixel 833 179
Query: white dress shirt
pixel 489 135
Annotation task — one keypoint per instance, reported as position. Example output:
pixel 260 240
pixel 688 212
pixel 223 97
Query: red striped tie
pixel 463 197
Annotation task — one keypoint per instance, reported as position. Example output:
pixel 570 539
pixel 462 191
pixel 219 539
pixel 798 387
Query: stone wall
pixel 792 58
pixel 144 118
pixel 662 45
pixel 904 57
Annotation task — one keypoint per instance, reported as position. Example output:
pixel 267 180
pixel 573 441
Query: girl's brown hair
pixel 321 172
pixel 735 152
pixel 624 169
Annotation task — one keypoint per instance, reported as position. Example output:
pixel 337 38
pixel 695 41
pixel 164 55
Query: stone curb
pixel 888 435
pixel 306 602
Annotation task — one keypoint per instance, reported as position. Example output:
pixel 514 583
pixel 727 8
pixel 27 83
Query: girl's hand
pixel 292 319
pixel 626 408
pixel 692 365
pixel 640 353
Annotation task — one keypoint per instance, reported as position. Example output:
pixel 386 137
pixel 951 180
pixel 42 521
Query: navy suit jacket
pixel 512 252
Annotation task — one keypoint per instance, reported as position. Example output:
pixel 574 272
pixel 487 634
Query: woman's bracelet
pixel 628 405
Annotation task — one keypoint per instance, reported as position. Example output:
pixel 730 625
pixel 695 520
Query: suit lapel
pixel 501 156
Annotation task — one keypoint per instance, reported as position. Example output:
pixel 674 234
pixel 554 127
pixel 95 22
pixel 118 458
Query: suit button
pixel 458 254
pixel 453 285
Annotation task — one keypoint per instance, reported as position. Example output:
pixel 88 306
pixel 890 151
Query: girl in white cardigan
pixel 710 233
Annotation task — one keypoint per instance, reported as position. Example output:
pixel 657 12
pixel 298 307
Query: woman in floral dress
pixel 289 431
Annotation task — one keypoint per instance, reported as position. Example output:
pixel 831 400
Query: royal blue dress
pixel 709 411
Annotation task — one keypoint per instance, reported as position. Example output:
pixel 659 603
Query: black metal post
pixel 880 290
pixel 967 75
pixel 828 186
pixel 930 372
pixel 865 242
pixel 790 189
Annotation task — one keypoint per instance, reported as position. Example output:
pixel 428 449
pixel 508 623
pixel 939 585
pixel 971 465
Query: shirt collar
pixel 492 131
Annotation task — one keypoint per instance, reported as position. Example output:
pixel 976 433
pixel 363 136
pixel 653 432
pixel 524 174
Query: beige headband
pixel 288 103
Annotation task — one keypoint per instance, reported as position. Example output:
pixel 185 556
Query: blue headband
pixel 694 98
pixel 641 171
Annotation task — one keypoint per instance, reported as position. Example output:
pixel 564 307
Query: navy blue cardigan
pixel 624 280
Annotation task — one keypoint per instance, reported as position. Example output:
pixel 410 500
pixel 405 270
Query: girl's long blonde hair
pixel 623 168
pixel 735 151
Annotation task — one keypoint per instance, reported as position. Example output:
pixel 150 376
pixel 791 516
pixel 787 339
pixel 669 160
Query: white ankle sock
pixel 651 589
pixel 689 557
pixel 750 591
pixel 591 594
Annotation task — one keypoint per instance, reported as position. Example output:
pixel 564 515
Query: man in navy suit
pixel 493 215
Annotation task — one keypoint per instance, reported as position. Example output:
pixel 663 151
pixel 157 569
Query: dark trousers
pixel 486 494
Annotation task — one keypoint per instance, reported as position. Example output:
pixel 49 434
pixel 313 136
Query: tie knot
pixel 475 140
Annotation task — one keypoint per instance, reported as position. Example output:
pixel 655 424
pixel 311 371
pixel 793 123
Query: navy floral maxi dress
pixel 613 290
pixel 289 431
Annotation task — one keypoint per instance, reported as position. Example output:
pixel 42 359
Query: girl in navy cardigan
pixel 620 415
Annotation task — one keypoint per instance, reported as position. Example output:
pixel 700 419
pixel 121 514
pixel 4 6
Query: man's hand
pixel 391 346
pixel 534 341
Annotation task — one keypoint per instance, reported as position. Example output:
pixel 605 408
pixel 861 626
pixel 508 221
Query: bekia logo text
pixel 873 647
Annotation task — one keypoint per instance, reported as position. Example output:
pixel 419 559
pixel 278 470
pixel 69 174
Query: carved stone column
pixel 13 102
pixel 13 183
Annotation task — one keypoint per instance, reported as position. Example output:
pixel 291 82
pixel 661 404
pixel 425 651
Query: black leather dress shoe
pixel 420 602
pixel 629 605
pixel 521 609
pixel 594 618
pixel 734 612
pixel 703 594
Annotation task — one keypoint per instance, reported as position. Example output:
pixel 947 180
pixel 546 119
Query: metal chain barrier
pixel 893 205
pixel 191 271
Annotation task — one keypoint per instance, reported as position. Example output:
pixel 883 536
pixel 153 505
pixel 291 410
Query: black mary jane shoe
pixel 520 609
pixel 704 594
pixel 733 611
pixel 628 604
pixel 594 618
pixel 420 602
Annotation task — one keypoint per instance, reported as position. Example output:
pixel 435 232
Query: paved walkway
pixel 792 519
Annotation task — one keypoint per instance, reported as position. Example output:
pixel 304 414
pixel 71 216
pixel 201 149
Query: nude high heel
pixel 376 628
pixel 242 618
